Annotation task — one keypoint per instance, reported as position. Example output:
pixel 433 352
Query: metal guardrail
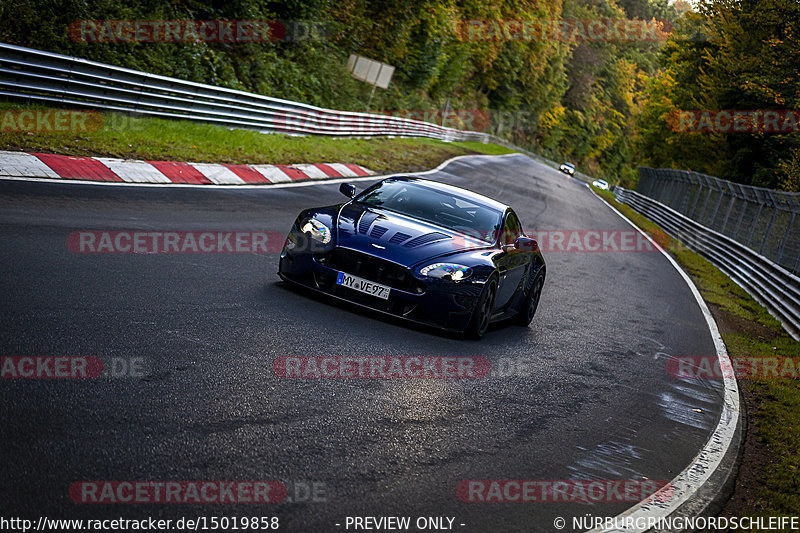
pixel 36 75
pixel 765 220
pixel 770 284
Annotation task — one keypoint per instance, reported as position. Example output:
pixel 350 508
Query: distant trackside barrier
pixel 772 285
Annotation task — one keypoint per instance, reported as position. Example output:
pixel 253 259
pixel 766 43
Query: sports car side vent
pixel 366 221
pixel 378 231
pixel 399 237
pixel 425 239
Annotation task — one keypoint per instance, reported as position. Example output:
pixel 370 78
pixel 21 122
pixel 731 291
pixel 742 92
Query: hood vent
pixel 366 221
pixel 426 239
pixel 378 231
pixel 399 237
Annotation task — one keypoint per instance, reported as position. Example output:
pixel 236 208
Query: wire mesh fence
pixel 767 282
pixel 764 220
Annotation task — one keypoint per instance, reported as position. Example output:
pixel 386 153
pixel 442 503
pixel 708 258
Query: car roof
pixel 465 193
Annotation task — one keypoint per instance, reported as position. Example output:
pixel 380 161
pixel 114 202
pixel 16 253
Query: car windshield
pixel 439 207
pixel 570 165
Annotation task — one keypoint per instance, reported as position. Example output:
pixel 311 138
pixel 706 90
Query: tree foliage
pixel 745 57
pixel 604 104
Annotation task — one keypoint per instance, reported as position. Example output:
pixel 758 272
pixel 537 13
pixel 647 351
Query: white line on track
pixel 705 463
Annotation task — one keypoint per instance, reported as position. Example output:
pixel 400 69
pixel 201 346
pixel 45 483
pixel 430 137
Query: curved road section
pixel 190 392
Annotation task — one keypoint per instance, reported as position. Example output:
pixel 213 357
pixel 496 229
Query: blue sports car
pixel 420 250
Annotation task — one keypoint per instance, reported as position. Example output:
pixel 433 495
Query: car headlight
pixel 316 230
pixel 446 270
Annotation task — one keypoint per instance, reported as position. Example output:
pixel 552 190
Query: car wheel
pixel 483 311
pixel 531 303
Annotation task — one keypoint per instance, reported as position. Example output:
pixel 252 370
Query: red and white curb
pixel 49 166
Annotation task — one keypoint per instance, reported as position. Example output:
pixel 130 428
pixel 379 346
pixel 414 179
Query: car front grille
pixel 371 268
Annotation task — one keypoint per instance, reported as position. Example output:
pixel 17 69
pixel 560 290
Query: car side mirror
pixel 526 244
pixel 348 189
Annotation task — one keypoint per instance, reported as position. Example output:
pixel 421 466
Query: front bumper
pixel 439 303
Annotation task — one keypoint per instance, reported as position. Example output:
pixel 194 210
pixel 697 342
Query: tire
pixel 531 303
pixel 482 313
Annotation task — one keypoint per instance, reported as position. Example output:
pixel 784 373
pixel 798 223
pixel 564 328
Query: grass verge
pixel 768 483
pixel 123 136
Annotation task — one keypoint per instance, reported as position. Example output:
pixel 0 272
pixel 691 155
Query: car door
pixel 510 264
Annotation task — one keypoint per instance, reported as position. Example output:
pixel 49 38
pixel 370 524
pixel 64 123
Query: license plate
pixel 363 285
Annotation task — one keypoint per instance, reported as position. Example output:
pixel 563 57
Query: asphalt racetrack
pixel 585 394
